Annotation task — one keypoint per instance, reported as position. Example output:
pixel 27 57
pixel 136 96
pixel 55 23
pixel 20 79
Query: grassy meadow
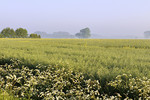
pixel 96 58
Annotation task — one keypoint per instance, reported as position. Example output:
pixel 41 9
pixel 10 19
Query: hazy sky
pixel 101 16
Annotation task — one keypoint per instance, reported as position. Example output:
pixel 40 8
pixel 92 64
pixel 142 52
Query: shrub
pixel 34 36
pixel 129 87
pixel 46 82
pixel 53 82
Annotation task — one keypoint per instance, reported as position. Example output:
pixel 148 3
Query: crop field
pixel 97 59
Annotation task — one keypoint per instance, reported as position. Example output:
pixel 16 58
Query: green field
pixel 110 67
pixel 96 58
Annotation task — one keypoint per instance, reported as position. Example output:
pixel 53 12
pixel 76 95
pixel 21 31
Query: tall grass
pixel 100 59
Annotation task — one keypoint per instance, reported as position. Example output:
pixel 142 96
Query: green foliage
pixel 84 33
pixel 99 59
pixel 8 33
pixel 96 58
pixel 21 33
pixel 5 96
pixel 46 82
pixel 129 87
pixel 35 36
pixel 53 82
pixel 1 36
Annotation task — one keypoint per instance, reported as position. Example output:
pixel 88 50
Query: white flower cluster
pixel 44 82
pixel 54 83
pixel 128 86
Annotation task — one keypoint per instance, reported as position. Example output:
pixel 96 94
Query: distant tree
pixel 8 33
pixel 84 33
pixel 42 34
pixel 61 34
pixel 21 33
pixel 34 36
pixel 1 36
pixel 147 34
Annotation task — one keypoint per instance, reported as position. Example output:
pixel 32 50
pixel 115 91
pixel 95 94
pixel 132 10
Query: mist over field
pixel 105 18
pixel 61 34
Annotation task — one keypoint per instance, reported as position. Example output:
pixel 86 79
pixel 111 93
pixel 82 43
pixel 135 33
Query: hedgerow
pixel 53 82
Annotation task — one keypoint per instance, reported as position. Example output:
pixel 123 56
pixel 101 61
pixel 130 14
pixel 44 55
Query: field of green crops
pixel 100 59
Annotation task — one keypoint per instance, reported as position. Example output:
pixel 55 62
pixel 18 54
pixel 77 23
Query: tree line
pixel 83 33
pixel 18 33
pixel 23 33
